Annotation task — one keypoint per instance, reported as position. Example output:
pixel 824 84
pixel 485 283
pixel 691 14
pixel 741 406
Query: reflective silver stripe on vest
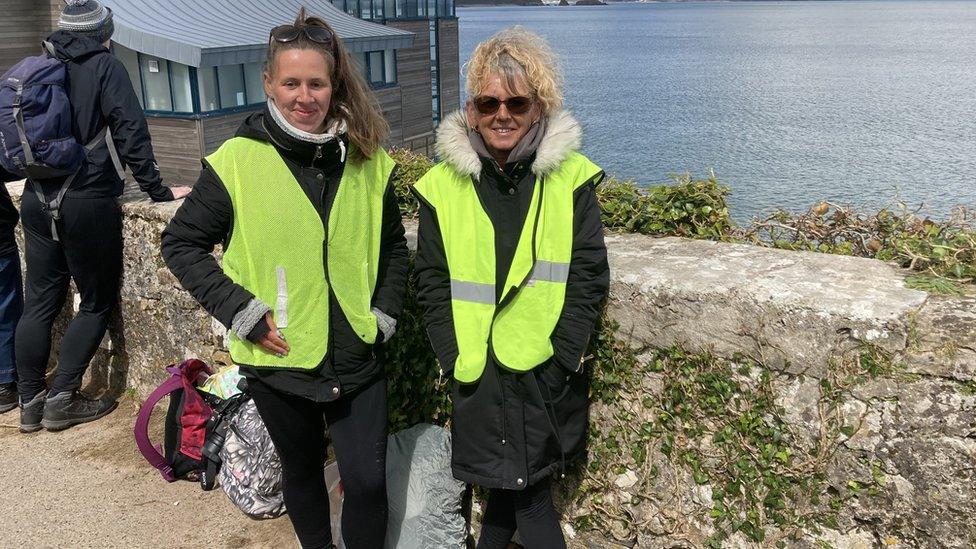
pixel 281 304
pixel 472 291
pixel 550 271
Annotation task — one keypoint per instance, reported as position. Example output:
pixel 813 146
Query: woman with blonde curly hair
pixel 313 275
pixel 511 272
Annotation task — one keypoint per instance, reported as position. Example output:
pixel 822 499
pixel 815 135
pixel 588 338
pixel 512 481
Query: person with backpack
pixel 313 276
pixel 511 273
pixel 73 224
pixel 11 294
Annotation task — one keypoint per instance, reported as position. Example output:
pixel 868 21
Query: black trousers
pixel 529 511
pixel 357 427
pixel 90 253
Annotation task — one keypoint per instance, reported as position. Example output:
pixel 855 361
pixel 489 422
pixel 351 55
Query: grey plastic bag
pixel 250 473
pixel 424 497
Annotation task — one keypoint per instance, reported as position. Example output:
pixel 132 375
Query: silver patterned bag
pixel 251 470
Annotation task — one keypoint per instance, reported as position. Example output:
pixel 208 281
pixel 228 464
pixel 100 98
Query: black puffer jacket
pixel 101 94
pixel 510 430
pixel 206 218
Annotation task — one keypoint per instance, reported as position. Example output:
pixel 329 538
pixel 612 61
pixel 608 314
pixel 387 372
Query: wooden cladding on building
pixel 180 143
pixel 22 28
pixel 450 67
pixel 413 75
pixel 176 143
pixel 217 129
pixel 391 103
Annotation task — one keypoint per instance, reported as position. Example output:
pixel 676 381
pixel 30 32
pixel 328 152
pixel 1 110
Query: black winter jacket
pixel 101 94
pixel 510 430
pixel 206 219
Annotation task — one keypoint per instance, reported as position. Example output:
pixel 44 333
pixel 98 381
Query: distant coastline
pixel 537 3
pixel 527 3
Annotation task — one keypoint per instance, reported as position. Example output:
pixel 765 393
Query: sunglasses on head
pixel 485 104
pixel 290 33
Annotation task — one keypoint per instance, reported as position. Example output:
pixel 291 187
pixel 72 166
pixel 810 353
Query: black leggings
pixel 529 511
pixel 357 427
pixel 90 253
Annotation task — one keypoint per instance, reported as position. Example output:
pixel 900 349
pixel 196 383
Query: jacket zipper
pixel 511 296
pixel 501 386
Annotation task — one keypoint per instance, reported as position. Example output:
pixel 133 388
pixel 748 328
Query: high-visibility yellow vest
pixel 276 248
pixel 515 326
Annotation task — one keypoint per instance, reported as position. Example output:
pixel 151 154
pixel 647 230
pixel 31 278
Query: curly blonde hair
pixel 516 53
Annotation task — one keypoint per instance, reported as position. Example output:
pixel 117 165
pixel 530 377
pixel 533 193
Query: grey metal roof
pixel 203 33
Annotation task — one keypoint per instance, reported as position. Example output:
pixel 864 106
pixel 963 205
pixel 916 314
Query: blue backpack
pixel 36 141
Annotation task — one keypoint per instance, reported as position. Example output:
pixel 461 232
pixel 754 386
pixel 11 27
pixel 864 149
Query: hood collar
pixel 69 45
pixel 563 135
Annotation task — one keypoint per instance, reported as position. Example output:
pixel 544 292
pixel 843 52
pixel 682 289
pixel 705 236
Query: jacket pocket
pixel 554 381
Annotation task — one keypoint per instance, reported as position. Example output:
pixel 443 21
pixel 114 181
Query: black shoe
pixel 31 413
pixel 71 408
pixel 8 397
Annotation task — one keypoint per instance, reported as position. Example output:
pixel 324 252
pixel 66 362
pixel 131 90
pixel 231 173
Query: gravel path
pixel 88 486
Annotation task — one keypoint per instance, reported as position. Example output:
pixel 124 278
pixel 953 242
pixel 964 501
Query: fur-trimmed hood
pixel 563 136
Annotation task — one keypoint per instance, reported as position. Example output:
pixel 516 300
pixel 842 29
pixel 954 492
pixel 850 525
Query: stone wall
pixel 910 429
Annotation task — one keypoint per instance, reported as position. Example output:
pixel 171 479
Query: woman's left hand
pixel 273 341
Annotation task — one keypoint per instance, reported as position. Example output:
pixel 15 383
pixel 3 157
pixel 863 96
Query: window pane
pixel 155 77
pixel 376 67
pixel 389 8
pixel 208 89
pixel 352 8
pixel 183 101
pixel 130 60
pixel 365 9
pixel 378 9
pixel 431 8
pixel 390 57
pixel 253 83
pixel 231 82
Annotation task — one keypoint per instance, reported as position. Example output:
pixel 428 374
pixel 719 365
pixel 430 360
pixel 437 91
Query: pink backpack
pixel 181 456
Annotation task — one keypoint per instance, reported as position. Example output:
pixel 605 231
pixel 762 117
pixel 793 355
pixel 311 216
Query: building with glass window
pixel 196 64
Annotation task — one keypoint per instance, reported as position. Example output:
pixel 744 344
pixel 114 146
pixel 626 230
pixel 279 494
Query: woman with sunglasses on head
pixel 511 272
pixel 314 270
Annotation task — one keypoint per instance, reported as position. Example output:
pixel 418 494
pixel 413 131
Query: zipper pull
pixel 318 153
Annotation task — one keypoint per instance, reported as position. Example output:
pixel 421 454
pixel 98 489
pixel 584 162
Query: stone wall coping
pixel 797 309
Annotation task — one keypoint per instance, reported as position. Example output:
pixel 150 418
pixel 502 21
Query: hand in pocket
pixel 273 341
pixel 554 377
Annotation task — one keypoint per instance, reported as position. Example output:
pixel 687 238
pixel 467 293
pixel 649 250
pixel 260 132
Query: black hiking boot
pixel 71 408
pixel 31 413
pixel 8 397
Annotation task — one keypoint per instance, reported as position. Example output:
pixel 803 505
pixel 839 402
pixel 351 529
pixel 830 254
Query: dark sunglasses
pixel 489 105
pixel 289 33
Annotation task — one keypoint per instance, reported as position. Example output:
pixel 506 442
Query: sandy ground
pixel 88 486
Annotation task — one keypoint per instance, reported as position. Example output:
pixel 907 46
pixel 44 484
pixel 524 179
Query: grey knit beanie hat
pixel 87 18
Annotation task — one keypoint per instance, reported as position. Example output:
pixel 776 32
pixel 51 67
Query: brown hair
pixel 352 100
